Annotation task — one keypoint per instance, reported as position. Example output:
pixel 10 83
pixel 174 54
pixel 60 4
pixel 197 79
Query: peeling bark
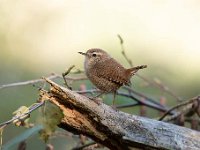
pixel 115 129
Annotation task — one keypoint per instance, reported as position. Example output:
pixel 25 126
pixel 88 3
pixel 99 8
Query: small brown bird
pixel 105 72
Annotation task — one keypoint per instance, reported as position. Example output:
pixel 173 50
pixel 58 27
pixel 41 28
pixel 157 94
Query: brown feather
pixel 105 72
pixel 116 73
pixel 133 70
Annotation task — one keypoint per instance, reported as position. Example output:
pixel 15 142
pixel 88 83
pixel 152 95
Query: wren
pixel 105 72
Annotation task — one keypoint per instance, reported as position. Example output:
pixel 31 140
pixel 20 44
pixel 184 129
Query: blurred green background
pixel 40 37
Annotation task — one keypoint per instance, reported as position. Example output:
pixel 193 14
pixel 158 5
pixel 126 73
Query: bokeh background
pixel 40 37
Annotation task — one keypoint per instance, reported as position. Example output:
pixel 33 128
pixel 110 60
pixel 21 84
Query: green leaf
pixel 52 116
pixel 22 137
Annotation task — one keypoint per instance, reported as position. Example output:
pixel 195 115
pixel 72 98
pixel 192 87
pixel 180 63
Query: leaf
pixel 52 116
pixel 22 137
pixel 21 115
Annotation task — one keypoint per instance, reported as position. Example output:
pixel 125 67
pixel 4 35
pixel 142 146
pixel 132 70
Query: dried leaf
pixel 22 120
pixel 52 116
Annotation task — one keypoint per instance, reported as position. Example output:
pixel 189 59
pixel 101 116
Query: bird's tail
pixel 133 70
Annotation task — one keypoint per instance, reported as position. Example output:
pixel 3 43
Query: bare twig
pixel 146 101
pixel 52 76
pixel 153 83
pixel 123 51
pixel 66 73
pixel 32 108
pixel 177 106
pixel 159 85
pixel 143 96
pixel 90 91
pixel 127 105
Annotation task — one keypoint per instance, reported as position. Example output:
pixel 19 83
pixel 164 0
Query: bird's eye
pixel 94 55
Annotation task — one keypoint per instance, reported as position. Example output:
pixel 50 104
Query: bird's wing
pixel 112 71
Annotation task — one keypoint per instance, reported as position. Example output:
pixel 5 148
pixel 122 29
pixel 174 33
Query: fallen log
pixel 113 128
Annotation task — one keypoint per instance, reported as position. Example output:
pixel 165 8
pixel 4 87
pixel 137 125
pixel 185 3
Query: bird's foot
pixel 97 100
pixel 114 107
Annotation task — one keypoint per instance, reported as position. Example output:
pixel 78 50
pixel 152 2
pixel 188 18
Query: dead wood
pixel 116 129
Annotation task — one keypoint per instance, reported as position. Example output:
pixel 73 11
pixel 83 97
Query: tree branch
pixel 179 105
pixel 116 129
pixel 159 85
pixel 52 76
pixel 32 108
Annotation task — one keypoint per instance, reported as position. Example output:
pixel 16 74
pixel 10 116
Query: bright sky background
pixel 47 33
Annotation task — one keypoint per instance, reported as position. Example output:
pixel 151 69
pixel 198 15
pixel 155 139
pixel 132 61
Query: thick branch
pixel 116 129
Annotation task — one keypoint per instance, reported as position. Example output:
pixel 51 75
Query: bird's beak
pixel 82 53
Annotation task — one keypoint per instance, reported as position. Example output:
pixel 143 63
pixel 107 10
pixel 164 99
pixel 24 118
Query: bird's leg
pixel 98 95
pixel 96 99
pixel 113 102
pixel 114 96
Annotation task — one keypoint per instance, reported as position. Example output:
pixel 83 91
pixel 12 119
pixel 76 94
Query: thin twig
pixel 53 76
pixel 142 102
pixel 123 51
pixel 91 91
pixel 65 74
pixel 147 102
pixel 173 117
pixel 179 105
pixel 153 83
pixel 143 96
pixel 162 87
pixel 127 105
pixel 32 108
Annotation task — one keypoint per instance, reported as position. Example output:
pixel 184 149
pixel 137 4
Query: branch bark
pixel 115 129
